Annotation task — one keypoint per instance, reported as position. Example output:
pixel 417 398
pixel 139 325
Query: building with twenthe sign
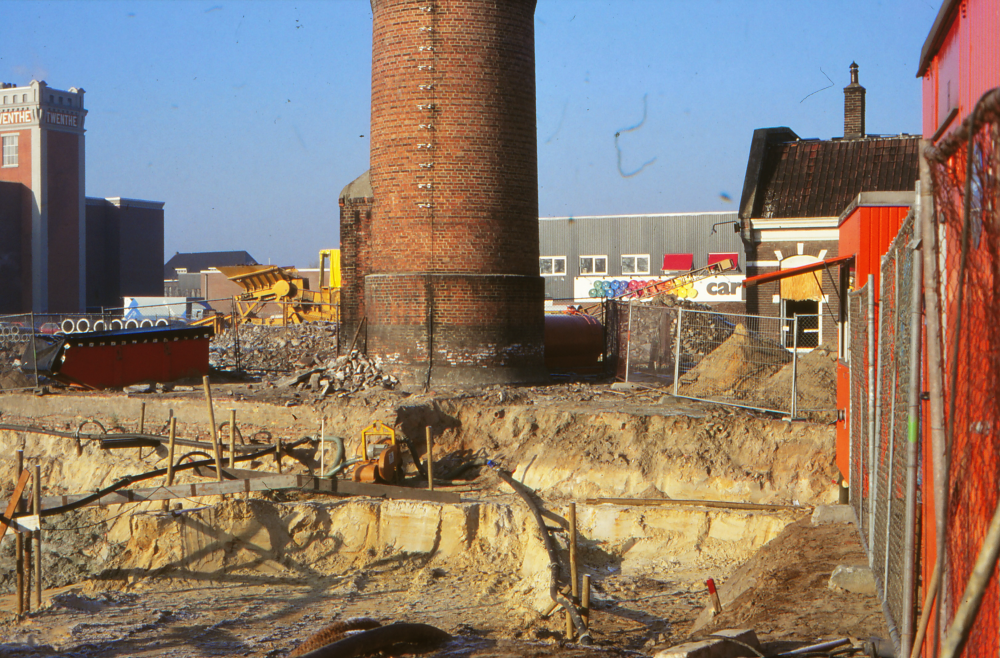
pixel 45 236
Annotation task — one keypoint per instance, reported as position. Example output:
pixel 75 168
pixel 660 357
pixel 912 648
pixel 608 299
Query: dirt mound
pixel 784 587
pixel 816 380
pixel 736 369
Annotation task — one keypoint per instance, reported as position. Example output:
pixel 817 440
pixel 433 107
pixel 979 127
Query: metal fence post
pixel 872 333
pixel 628 341
pixel 677 351
pixel 795 364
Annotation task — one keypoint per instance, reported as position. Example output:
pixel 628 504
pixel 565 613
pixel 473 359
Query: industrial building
pixel 61 252
pixel 451 291
pixel 578 254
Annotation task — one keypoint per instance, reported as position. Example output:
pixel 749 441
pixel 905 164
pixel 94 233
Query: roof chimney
pixel 854 106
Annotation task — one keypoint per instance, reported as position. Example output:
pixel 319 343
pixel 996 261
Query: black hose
pixel 129 479
pixel 33 429
pixel 525 494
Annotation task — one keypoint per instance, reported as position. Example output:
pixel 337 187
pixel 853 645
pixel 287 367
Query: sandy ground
pixel 278 568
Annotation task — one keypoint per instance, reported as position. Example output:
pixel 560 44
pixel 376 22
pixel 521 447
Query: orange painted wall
pixel 867 233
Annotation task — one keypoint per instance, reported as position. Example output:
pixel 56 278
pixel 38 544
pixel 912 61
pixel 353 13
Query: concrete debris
pixel 824 514
pixel 716 647
pixel 856 579
pixel 264 349
pixel 344 375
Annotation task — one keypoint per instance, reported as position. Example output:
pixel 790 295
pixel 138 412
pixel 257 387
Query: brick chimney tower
pixel 854 107
pixel 452 294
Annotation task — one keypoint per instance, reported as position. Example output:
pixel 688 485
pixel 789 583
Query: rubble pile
pixel 10 366
pixel 700 332
pixel 344 375
pixel 264 349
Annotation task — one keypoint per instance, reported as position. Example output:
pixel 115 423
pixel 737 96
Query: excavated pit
pixel 457 565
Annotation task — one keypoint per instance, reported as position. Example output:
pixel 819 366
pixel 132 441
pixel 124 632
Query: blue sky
pixel 248 118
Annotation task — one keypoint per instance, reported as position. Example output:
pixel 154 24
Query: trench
pixel 566 448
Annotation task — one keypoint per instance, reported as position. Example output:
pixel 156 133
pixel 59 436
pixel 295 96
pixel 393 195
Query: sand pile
pixel 738 369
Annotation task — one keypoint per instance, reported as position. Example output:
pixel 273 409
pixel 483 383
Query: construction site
pixel 423 454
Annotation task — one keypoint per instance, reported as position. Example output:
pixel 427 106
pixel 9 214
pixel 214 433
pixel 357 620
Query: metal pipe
pixel 874 370
pixel 935 377
pixel 677 352
pixel 815 648
pixel 795 364
pixel 972 597
pixel 628 341
pixel 912 438
pixel 36 508
pixel 19 540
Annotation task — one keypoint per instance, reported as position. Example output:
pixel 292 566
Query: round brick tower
pixel 453 294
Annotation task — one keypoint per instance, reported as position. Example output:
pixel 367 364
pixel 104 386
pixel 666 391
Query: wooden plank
pixel 267 482
pixel 722 504
pixel 15 498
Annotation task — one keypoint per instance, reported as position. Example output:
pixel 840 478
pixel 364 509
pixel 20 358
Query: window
pixel 677 262
pixel 552 265
pixel 593 265
pixel 635 264
pixel 10 150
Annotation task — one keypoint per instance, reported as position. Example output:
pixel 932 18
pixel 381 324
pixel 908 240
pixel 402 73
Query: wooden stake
pixel 277 453
pixel 430 458
pixel 170 458
pixel 142 423
pixel 35 509
pixel 232 438
pixel 713 594
pixel 322 446
pixel 19 550
pixel 215 430
pixel 573 582
pixel 585 607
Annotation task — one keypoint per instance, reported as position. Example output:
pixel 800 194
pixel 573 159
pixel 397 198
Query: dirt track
pixel 254 577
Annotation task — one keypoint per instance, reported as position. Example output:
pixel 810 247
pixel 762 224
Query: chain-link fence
pixel 862 370
pixel 884 490
pixel 728 358
pixel 967 204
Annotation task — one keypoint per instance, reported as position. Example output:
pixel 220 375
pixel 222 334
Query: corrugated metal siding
pixel 618 235
pixel 968 58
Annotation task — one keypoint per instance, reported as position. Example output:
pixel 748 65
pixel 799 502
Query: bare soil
pixel 256 575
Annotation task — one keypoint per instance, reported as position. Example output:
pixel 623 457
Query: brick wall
pixel 355 263
pixel 454 176
pixel 11 203
pixel 64 197
pixel 760 298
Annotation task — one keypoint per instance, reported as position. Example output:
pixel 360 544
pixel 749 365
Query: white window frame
pixel 8 159
pixel 637 270
pixel 555 260
pixel 593 265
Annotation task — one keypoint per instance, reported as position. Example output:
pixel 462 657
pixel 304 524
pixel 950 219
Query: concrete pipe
pixel 131 324
pixel 146 323
pixel 116 325
pixel 83 325
pixel 67 326
pixel 100 325
pixel 162 323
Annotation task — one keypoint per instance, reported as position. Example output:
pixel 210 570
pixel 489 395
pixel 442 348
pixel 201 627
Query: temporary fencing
pixel 728 358
pixel 966 174
pixel 879 431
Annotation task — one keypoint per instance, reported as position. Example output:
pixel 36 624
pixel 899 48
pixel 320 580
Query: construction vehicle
pixel 381 457
pixel 285 288
pixel 678 285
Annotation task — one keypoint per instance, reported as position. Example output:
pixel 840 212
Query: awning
pixel 781 274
